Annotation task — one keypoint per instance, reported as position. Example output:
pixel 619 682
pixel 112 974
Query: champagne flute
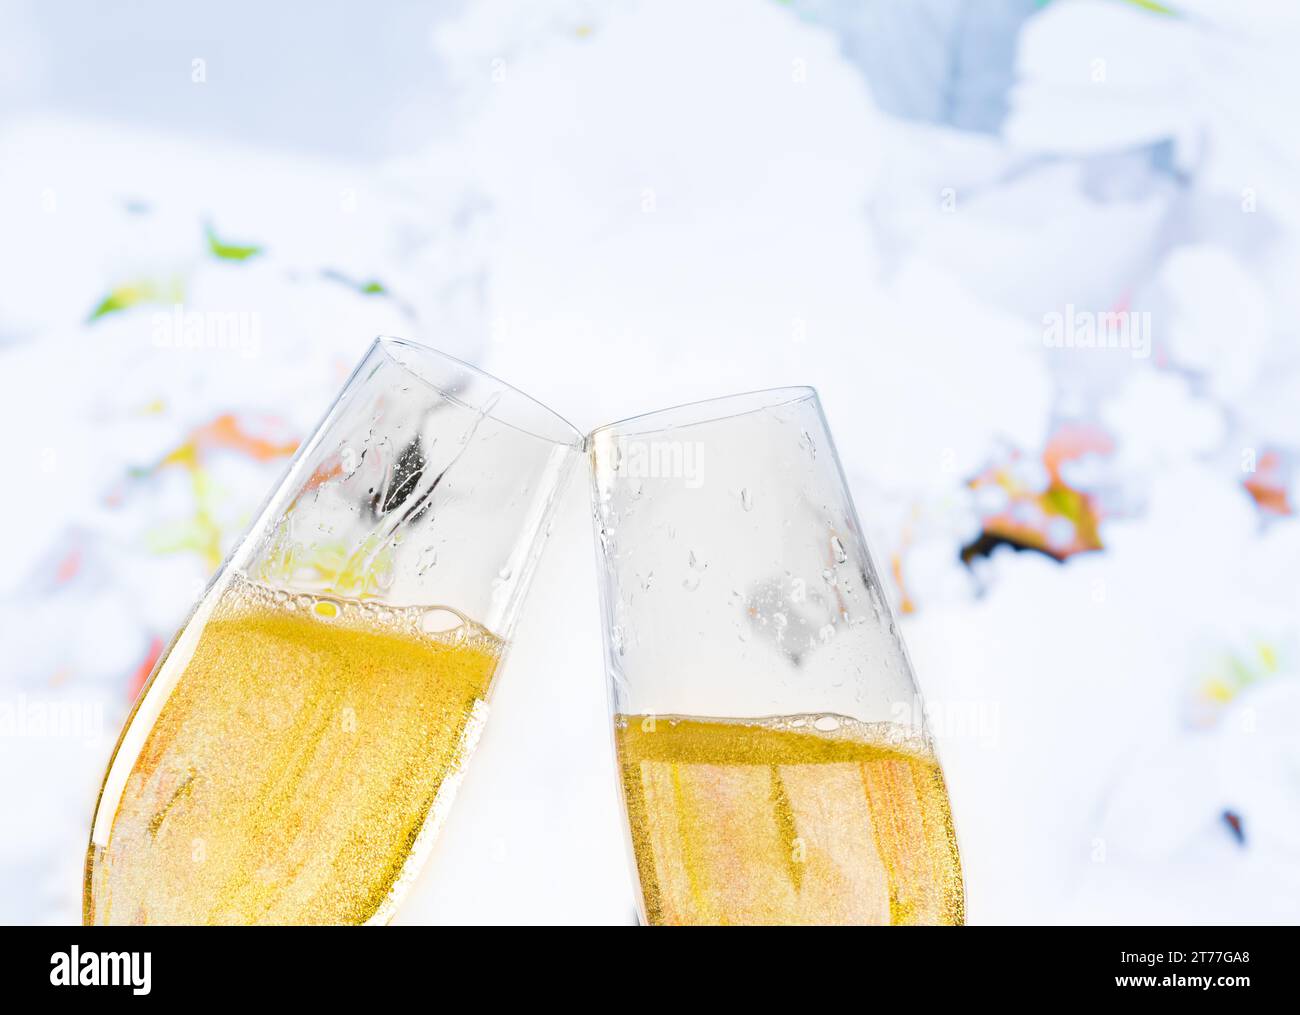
pixel 296 747
pixel 774 761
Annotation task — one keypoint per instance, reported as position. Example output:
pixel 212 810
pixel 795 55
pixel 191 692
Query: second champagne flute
pixel 774 760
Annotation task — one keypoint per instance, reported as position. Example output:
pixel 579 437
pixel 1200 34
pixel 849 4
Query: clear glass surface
pixel 774 760
pixel 296 746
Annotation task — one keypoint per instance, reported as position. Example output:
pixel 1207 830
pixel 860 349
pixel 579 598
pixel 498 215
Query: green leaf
pixel 133 294
pixel 118 299
pixel 1153 7
pixel 229 251
pixel 373 287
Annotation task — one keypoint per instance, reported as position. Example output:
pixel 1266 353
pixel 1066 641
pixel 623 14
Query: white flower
pixel 1158 421
pixel 1216 317
pixel 1099 76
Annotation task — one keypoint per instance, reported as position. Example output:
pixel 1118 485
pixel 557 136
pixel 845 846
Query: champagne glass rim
pixel 708 410
pixel 520 411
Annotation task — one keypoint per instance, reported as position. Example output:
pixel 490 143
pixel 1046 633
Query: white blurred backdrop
pixel 1039 258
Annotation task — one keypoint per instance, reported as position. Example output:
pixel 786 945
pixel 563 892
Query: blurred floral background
pixel 1039 258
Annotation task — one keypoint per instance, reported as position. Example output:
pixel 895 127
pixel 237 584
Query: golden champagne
pixel 297 766
pixel 796 820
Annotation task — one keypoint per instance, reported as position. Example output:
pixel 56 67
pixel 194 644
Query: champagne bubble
pixel 440 620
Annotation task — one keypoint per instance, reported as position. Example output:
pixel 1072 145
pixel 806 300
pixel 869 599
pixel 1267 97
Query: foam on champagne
pixel 795 819
pixel 297 769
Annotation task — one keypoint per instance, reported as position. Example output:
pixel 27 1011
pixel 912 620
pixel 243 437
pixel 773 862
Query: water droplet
pixel 746 499
pixel 837 547
pixel 826 723
pixel 691 582
pixel 502 579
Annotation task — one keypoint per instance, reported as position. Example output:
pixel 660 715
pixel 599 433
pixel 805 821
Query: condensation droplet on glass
pixel 691 582
pixel 808 444
pixel 837 547
pixel 746 499
pixel 616 637
pixel 826 723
